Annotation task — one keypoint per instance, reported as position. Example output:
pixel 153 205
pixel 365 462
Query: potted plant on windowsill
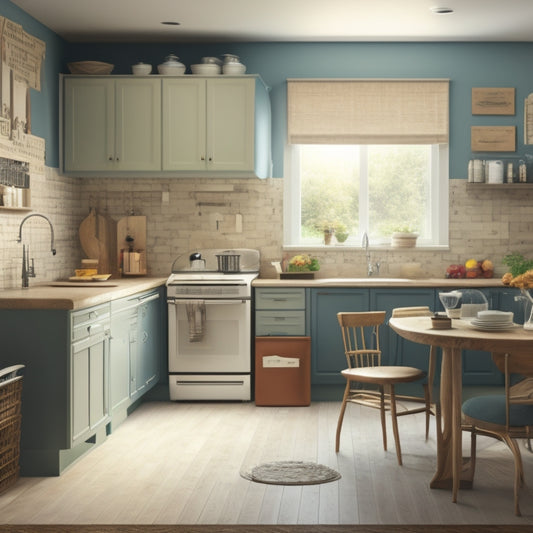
pixel 341 233
pixel 328 229
pixel 404 237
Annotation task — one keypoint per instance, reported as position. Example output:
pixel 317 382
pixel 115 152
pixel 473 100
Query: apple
pixel 455 271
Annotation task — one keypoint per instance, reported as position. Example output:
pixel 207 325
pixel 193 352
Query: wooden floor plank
pixel 179 463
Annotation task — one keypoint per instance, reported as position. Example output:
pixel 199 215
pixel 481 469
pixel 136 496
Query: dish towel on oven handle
pixel 196 318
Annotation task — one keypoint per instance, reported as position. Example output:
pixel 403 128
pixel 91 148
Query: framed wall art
pixel 493 138
pixel 493 101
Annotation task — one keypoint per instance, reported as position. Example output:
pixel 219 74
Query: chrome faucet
pixel 369 264
pixel 27 270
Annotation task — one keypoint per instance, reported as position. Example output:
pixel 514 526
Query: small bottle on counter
pixel 510 173
pixel 522 171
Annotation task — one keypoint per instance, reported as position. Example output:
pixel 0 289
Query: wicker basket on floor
pixel 10 424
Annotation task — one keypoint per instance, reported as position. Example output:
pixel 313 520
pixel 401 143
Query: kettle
pixel 196 261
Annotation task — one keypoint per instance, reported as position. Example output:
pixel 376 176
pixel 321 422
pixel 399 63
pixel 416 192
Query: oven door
pixel 225 345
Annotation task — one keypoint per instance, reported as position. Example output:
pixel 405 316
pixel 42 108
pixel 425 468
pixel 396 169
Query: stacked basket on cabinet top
pixel 10 424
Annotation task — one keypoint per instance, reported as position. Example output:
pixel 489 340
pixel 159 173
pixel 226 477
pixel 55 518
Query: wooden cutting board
pixel 98 238
pixel 88 235
pixel 107 245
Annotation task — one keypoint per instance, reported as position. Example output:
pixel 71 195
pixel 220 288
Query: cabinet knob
pixel 110 158
pixel 210 159
pixel 202 158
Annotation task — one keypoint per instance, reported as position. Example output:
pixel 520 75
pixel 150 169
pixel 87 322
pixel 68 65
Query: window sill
pixel 355 248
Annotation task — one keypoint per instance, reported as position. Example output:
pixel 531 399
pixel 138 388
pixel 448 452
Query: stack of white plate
pixel 493 320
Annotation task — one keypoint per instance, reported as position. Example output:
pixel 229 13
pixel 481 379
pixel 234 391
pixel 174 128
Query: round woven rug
pixel 291 473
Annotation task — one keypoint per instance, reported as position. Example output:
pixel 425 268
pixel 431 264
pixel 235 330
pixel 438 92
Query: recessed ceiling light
pixel 170 23
pixel 441 10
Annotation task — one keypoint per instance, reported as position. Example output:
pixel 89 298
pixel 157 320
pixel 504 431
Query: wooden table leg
pixel 449 474
pixel 457 397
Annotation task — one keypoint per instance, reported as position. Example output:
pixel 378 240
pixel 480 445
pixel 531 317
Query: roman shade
pixel 367 111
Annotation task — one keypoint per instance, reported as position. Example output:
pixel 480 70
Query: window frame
pixel 438 210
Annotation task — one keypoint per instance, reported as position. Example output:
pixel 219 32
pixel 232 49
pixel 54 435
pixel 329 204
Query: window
pixel 375 189
pixel 377 171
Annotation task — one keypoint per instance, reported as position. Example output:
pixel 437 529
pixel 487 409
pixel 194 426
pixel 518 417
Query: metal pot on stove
pixel 196 262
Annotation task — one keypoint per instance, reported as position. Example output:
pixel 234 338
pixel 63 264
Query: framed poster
pixel 493 138
pixel 493 101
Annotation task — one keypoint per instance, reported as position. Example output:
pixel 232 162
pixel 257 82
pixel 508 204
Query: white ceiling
pixel 283 20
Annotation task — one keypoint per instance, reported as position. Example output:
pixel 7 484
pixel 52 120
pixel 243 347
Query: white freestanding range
pixel 209 332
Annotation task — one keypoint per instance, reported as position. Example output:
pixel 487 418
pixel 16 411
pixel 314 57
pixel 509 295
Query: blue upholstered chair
pixel 505 416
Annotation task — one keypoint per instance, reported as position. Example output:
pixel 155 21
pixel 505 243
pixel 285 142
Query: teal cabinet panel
pixel 123 331
pixel 327 350
pixel 149 341
pixel 89 376
pixel 395 349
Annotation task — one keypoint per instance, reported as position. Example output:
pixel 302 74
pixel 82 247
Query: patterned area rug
pixel 291 473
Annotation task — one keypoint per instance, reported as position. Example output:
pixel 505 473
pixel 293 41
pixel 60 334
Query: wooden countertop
pixel 476 283
pixel 75 296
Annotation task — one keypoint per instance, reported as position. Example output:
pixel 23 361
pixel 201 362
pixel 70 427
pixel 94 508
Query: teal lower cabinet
pixel 136 340
pixel 396 350
pixel 327 351
pixel 78 374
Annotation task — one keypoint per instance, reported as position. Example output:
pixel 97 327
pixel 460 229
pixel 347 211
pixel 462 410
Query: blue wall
pixel 467 65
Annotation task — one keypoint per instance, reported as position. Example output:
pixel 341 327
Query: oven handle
pixel 209 302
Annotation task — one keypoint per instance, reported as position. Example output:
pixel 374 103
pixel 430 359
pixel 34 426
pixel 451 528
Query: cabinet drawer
pixel 276 323
pixel 89 321
pixel 280 299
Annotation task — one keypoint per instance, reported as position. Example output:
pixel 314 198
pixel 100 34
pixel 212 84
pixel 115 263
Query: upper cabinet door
pixel 89 124
pixel 112 125
pixel 208 124
pixel 184 122
pixel 230 124
pixel 138 124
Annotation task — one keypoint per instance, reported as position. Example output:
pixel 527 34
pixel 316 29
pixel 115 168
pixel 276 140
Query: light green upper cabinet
pixel 112 124
pixel 184 126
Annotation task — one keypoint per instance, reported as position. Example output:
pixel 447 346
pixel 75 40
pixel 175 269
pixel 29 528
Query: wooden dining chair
pixel 507 416
pixel 430 406
pixel 360 335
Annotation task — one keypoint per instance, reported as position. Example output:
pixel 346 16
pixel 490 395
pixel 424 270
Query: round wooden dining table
pixel 451 472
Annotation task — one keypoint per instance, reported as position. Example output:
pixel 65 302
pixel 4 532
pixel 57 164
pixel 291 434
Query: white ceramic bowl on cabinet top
pixel 141 69
pixel 233 69
pixel 206 69
pixel 171 67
